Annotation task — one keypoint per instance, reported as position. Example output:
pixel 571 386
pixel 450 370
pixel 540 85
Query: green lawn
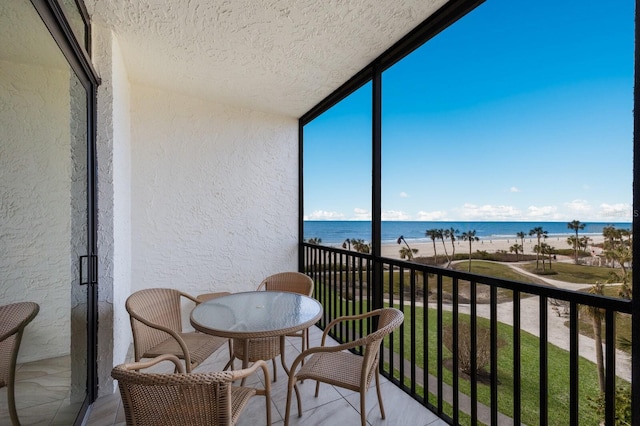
pixel 558 370
pixel 492 269
pixel 496 269
pixel 558 359
pixel 570 272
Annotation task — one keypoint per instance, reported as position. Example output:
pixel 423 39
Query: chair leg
pixel 290 388
pixel 230 363
pixel 363 411
pixel 379 392
pixel 273 360
pixel 11 399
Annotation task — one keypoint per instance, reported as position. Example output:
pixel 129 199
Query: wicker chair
pixel 156 323
pixel 210 296
pixel 13 320
pixel 205 297
pixel 294 282
pixel 338 367
pixel 192 399
pixel 269 347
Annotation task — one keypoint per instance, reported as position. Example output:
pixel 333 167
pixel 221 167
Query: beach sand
pixel 425 249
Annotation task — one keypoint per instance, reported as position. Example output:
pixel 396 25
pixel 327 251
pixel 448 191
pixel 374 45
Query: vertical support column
pixel 376 186
pixel 300 197
pixel 635 316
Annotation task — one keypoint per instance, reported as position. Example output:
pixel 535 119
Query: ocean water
pixel 334 232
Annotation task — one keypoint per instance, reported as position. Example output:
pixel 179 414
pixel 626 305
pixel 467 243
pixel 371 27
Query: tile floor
pixel 42 394
pixel 334 406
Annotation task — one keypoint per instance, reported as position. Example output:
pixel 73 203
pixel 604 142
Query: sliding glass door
pixel 46 224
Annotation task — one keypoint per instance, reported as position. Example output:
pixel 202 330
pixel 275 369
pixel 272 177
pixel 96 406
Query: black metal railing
pixel 508 349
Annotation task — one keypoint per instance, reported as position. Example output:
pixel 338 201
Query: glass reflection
pixel 43 214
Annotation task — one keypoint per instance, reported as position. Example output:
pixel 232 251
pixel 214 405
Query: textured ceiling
pixel 280 56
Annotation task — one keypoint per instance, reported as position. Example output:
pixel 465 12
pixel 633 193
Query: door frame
pixel 79 60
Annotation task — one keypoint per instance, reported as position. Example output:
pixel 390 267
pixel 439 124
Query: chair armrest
pixel 346 318
pixel 190 297
pixel 146 364
pixel 246 372
pixel 241 374
pixel 324 349
pixel 170 332
pixel 10 333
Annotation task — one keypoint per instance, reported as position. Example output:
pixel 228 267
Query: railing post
pixel 610 368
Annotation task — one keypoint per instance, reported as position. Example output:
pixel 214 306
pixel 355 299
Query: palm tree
pixel 406 252
pixel 610 234
pixel 442 234
pixel 516 248
pixel 471 237
pixel 584 242
pixel 360 246
pixel 346 243
pixel 539 233
pixel 548 250
pixel 619 250
pixel 576 225
pixel 433 234
pixel 521 235
pixel 451 233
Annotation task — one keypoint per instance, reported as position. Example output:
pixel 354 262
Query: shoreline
pixel 490 245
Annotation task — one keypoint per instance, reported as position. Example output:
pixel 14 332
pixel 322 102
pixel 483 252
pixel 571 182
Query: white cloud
pixel 488 212
pixel 514 189
pixel 620 212
pixel 395 215
pixel 404 195
pixel 324 215
pixel 578 206
pixel 543 212
pixel 430 216
pixel 361 214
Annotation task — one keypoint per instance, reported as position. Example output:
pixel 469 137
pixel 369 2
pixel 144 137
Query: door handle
pixel 84 266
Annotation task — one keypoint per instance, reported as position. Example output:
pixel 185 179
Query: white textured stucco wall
pixel 35 204
pixel 192 195
pixel 114 204
pixel 121 198
pixel 214 195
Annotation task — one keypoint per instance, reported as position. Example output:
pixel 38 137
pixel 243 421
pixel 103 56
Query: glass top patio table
pixel 256 314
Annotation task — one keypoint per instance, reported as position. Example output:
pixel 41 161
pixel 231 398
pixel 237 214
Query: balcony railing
pixel 521 356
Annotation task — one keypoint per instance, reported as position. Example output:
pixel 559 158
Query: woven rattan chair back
pixel 156 324
pixel 157 306
pixel 388 320
pixel 195 399
pixel 294 282
pixel 13 320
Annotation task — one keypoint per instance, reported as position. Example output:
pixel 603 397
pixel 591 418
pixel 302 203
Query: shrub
pixel 623 405
pixel 483 346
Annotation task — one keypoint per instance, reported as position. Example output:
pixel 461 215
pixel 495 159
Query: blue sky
pixel 519 111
